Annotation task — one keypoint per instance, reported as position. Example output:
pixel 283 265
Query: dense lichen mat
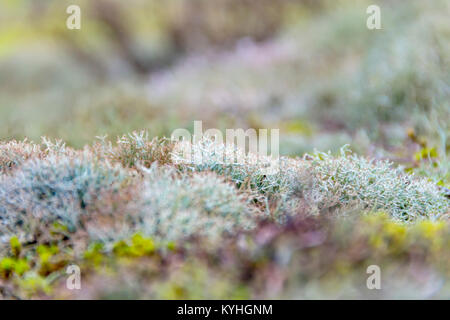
pixel 97 200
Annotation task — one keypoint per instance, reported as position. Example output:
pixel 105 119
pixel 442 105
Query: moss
pixel 10 266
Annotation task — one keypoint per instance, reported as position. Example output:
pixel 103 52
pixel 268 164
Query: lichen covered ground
pixel 364 134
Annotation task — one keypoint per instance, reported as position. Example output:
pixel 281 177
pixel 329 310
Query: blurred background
pixel 308 67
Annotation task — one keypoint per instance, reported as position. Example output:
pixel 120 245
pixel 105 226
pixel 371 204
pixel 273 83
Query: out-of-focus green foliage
pixel 160 65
